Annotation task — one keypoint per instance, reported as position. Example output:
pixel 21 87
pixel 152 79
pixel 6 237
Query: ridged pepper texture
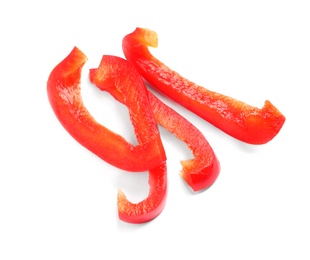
pixel 63 89
pixel 236 118
pixel 121 79
pixel 64 93
pixel 199 172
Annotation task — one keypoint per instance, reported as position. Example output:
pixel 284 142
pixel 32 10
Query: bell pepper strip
pixel 64 93
pixel 152 206
pixel 199 172
pixel 120 78
pixel 236 118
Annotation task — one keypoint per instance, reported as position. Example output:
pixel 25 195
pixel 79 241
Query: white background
pixel 58 200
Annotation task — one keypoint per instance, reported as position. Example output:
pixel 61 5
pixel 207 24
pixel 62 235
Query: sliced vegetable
pixel 63 88
pixel 120 78
pixel 153 205
pixel 238 119
pixel 200 172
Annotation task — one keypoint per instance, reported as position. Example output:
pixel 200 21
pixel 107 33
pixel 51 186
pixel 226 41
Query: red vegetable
pixel 64 95
pixel 238 119
pixel 150 207
pixel 120 78
pixel 200 172
pixel 63 88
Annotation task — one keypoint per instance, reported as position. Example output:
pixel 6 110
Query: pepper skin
pixel 199 172
pixel 120 78
pixel 238 119
pixel 152 206
pixel 63 89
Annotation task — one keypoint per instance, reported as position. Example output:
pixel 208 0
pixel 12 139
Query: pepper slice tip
pixel 152 206
pixel 200 176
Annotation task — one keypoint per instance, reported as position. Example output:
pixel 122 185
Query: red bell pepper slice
pixel 152 206
pixel 63 88
pixel 200 172
pixel 238 119
pixel 120 78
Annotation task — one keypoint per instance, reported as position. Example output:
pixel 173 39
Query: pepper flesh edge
pixel 152 206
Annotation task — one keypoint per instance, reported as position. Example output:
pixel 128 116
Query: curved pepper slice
pixel 63 88
pixel 153 205
pixel 120 79
pixel 238 119
pixel 200 172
